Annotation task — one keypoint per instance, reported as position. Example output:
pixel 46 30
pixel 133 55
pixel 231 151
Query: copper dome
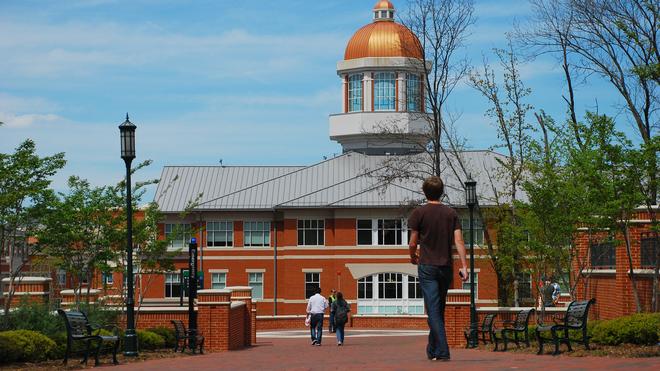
pixel 383 38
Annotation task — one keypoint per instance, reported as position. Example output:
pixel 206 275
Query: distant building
pixel 283 230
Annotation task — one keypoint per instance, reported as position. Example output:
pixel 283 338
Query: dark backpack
pixel 341 313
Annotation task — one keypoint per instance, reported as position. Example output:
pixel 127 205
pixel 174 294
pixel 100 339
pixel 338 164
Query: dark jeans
pixel 435 281
pixel 339 329
pixel 316 327
pixel 331 322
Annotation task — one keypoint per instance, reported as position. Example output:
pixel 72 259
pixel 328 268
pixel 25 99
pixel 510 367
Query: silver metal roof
pixel 351 180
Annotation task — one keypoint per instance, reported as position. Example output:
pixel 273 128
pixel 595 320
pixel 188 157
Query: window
pixel 384 94
pixel 172 285
pixel 257 234
pixel 366 287
pixel 178 234
pixel 364 232
pixel 414 289
pixel 256 281
pixel 649 249
pixel 218 280
pixel 220 233
pixel 107 278
pixel 390 285
pixel 355 92
pixel 61 277
pixel 310 232
pixel 603 255
pixel 468 283
pixel 389 293
pixel 389 231
pixel 312 282
pixel 478 231
pixel 524 285
pixel 413 92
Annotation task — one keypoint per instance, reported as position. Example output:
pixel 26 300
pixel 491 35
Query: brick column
pixel 457 316
pixel 253 321
pixel 213 318
pixel 244 294
pixel 69 296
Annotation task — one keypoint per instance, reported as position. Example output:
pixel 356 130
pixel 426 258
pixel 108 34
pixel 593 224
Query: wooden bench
pixel 184 336
pixel 519 326
pixel 576 318
pixel 78 328
pixel 485 329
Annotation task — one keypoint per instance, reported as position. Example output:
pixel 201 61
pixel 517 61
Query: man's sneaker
pixel 339 344
pixel 318 344
pixel 314 342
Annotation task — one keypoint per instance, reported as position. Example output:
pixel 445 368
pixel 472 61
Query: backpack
pixel 341 313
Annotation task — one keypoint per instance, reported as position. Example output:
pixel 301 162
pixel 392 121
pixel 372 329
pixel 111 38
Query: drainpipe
pixel 275 264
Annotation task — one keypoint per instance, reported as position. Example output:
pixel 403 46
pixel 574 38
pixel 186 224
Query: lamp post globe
pixel 471 201
pixel 127 139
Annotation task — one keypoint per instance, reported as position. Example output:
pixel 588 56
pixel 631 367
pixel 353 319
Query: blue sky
pixel 249 82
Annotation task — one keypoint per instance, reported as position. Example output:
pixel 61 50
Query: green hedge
pixel 25 346
pixel 642 329
pixel 166 333
pixel 149 340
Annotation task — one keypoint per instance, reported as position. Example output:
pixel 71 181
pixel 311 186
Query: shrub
pixel 35 317
pixel 26 345
pixel 640 329
pixel 149 340
pixel 166 333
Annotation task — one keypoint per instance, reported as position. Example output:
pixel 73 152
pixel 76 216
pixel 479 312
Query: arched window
pixel 413 93
pixel 355 92
pixel 384 91
pixel 389 293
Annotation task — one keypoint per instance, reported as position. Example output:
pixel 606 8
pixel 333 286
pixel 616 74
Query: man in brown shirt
pixel 437 229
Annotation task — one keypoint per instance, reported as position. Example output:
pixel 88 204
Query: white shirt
pixel 317 304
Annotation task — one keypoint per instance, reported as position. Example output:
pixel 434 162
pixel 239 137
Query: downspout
pixel 275 263
pixel 201 248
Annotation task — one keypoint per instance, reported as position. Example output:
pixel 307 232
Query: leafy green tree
pixel 25 178
pixel 81 229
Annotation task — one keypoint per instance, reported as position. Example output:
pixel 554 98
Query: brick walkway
pixel 378 353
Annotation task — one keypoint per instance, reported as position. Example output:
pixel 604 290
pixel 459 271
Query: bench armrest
pixel 558 318
pixel 96 327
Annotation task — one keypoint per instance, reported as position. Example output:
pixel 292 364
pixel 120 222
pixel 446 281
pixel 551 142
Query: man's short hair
pixel 318 289
pixel 433 188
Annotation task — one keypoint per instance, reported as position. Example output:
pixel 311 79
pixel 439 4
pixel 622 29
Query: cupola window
pixel 384 91
pixel 355 92
pixel 413 93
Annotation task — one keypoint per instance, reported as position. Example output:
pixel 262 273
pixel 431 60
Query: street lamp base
pixel 130 344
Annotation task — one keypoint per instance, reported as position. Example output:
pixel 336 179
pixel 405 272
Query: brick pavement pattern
pixel 379 353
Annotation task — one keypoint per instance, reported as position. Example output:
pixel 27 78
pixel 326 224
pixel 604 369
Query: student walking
pixel 315 308
pixel 331 322
pixel 340 308
pixel 437 229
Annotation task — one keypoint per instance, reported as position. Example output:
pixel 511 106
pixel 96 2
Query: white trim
pixel 312 270
pixel 83 292
pixel 238 288
pixel 27 279
pixel 356 247
pixel 255 270
pixel 518 309
pixel 598 271
pixel 18 293
pixel 219 270
pixel 214 303
pixel 643 271
pixel 215 291
pixel 236 304
pixel 304 257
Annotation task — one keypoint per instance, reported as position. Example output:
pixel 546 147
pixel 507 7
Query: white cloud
pixel 22 121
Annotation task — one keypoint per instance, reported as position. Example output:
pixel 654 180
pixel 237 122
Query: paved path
pixel 376 350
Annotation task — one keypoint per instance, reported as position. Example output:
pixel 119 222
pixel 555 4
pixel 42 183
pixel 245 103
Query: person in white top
pixel 316 308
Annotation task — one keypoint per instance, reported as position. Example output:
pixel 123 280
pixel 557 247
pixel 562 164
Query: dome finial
pixel 384 11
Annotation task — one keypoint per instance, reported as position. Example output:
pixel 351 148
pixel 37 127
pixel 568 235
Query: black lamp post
pixel 471 201
pixel 127 132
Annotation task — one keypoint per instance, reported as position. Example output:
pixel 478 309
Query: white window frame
pixel 219 278
pixel 478 231
pixel 265 231
pixel 214 227
pixel 355 92
pixel 310 280
pixel 256 279
pixel 414 83
pixel 309 229
pixel 181 237
pixel 375 231
pixel 172 278
pixel 387 91
pixel 107 278
pixel 391 306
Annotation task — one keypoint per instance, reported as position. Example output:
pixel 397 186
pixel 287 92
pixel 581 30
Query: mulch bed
pixel 597 350
pixel 104 360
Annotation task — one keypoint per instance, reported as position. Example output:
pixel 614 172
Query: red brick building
pixel 284 230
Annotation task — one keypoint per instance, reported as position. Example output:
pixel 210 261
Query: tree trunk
pixel 633 281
